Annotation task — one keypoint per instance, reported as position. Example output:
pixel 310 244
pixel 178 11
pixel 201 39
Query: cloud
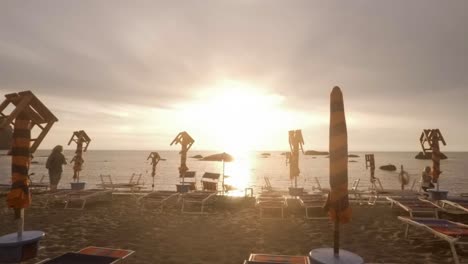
pixel 398 59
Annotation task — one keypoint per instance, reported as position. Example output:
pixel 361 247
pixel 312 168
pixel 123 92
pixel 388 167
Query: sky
pixel 237 75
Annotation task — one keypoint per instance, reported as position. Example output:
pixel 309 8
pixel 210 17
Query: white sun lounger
pixel 271 200
pixel 414 205
pixel 133 185
pixel 84 196
pixel 452 232
pixel 198 198
pixel 313 201
pixel 160 198
pixel 459 204
pixel 72 196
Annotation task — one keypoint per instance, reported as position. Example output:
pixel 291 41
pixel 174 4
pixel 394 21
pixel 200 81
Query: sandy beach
pixel 228 234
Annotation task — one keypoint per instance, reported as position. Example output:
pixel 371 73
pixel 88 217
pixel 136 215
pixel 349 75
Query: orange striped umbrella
pixel 337 203
pixel 19 197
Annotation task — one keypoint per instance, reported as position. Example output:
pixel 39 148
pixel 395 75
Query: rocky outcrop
pixel 315 153
pixel 428 156
pixel 389 167
pixel 197 157
pixel 353 156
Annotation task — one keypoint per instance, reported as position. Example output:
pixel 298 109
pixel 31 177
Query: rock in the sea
pixel 316 153
pixel 266 154
pixel 197 157
pixel 389 167
pixel 428 156
pixel 352 161
pixel 353 156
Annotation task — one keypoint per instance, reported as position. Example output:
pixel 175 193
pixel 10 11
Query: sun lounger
pixel 198 198
pixel 452 232
pixel 72 196
pixel 209 181
pixel 276 259
pixel 133 185
pixel 318 186
pixel 313 201
pixel 271 200
pixel 267 186
pixel 457 203
pixel 41 185
pixel 91 255
pixel 161 198
pixel 414 205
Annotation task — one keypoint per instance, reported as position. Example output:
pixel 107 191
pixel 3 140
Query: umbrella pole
pixel 223 177
pixel 19 215
pixel 336 234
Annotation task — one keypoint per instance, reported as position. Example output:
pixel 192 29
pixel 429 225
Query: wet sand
pixel 228 234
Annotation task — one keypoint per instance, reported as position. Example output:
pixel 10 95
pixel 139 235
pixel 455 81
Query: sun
pixel 240 114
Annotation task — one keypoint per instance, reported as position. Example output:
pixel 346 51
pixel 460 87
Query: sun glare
pixel 239 114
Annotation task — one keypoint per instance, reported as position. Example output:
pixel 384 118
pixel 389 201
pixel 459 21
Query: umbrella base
pixel 438 195
pixel 326 256
pixel 78 186
pixel 14 249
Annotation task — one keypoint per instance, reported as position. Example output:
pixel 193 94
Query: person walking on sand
pixel 427 179
pixel 54 164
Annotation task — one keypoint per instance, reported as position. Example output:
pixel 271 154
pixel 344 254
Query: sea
pixel 246 171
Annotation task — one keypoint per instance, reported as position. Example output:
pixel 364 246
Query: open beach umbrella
pixel 224 157
pixel 337 203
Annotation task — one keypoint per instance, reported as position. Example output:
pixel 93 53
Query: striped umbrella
pixel 19 197
pixel 337 203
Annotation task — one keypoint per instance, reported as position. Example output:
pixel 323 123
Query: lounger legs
pixel 454 253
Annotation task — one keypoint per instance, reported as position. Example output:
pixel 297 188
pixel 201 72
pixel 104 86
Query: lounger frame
pixel 453 241
pixel 429 207
pixel 270 200
pixel 313 201
pixel 197 197
pixel 162 198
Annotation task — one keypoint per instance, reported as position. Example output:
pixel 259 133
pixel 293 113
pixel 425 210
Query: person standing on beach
pixel 54 164
pixel 427 179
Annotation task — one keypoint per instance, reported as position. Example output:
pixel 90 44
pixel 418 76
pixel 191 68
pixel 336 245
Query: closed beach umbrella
pixel 337 203
pixel 224 157
pixel 20 197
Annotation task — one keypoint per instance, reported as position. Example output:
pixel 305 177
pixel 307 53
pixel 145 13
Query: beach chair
pixel 267 186
pixel 456 203
pixel 41 185
pixel 83 196
pixel 132 186
pixel 318 186
pixel 91 255
pixel 196 198
pixel 276 259
pixel 452 232
pixel 356 192
pixel 190 180
pixel 313 201
pixel 160 198
pixel 270 200
pixel 209 181
pixel 414 205
pixel 58 195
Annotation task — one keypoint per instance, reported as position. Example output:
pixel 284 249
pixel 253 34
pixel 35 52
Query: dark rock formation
pixel 197 157
pixel 353 156
pixel 389 167
pixel 316 153
pixel 428 156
